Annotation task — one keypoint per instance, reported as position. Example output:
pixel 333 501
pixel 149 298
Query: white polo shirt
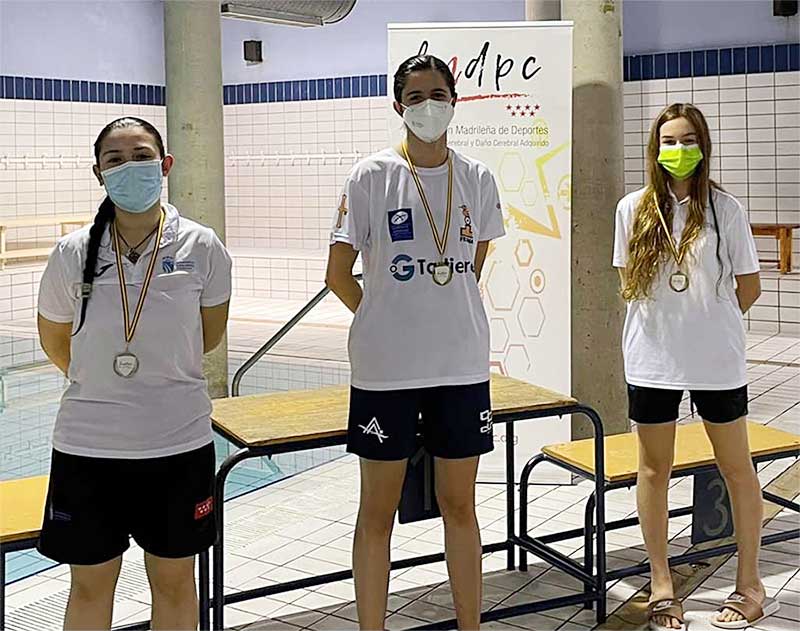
pixel 694 339
pixel 409 332
pixel 164 408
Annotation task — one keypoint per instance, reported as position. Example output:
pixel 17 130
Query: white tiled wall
pixel 33 129
pixel 755 131
pixel 290 204
pixel 279 211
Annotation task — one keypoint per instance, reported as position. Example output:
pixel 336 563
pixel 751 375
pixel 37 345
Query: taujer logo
pixel 404 268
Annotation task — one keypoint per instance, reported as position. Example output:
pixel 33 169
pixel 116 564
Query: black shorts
pixel 656 405
pixel 452 421
pixel 95 504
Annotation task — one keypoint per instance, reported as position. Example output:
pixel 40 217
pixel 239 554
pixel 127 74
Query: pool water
pixel 29 398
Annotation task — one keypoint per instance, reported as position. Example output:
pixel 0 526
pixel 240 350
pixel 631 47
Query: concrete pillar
pixel 194 130
pixel 537 10
pixel 597 183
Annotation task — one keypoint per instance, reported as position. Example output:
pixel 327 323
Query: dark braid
pixel 105 215
pixel 106 212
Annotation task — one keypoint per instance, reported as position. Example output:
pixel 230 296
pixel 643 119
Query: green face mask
pixel 680 161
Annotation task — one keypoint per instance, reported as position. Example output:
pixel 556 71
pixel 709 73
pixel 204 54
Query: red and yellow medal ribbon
pixel 130 324
pixel 439 239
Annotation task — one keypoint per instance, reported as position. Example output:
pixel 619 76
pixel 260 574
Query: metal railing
pixel 271 342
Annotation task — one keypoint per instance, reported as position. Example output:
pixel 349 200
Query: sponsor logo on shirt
pixel 342 212
pixel 400 267
pixel 185 266
pixel 168 264
pixel 401 225
pixel 204 508
pixel 466 230
pixel 103 270
pixel 486 419
pixel 374 429
pixel 404 268
pixel 59 515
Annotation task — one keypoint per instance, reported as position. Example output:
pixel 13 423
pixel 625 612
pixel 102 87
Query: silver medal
pixel 679 282
pixel 442 273
pixel 126 364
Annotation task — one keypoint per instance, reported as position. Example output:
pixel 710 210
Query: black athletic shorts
pixel 656 405
pixel 94 504
pixel 453 422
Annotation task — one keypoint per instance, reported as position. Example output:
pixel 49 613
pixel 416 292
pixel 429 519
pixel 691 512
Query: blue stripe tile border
pixel 47 89
pixel 36 88
pixel 712 62
pixel 664 65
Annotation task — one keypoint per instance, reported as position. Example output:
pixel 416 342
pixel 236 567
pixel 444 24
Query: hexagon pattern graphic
pixel 502 285
pixel 512 288
pixel 523 252
pixel 517 360
pixel 529 192
pixel 499 335
pixel 531 316
pixel 512 172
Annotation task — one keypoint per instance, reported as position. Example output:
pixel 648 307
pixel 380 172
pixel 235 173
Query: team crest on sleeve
pixel 466 230
pixel 401 225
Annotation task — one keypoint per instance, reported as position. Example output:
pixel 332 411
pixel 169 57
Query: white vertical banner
pixel 514 83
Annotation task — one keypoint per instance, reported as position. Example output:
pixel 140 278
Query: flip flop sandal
pixel 671 607
pixel 749 608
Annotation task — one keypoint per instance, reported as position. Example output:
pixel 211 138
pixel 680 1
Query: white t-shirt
pixel 164 408
pixel 409 332
pixel 694 339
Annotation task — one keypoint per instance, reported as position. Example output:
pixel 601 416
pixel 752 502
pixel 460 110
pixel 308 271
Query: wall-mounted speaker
pixel 784 8
pixel 252 51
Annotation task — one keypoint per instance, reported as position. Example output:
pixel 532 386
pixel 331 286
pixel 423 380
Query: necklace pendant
pixel 133 256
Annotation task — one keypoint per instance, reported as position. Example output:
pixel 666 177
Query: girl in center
pixel 422 216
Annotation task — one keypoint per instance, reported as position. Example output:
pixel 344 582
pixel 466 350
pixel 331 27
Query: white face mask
pixel 428 120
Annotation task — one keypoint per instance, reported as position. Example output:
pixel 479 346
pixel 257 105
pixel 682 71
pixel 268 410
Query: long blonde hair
pixel 649 246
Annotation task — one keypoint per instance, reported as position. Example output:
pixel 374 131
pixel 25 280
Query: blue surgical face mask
pixel 134 186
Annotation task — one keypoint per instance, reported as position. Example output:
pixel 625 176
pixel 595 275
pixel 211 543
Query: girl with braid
pixel 689 270
pixel 127 308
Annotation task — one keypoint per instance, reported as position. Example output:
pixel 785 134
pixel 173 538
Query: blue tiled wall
pixel 713 62
pixel 306 90
pixel 39 89
pixel 669 65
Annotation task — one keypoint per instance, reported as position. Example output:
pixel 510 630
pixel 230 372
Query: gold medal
pixel 442 271
pixel 126 364
pixel 678 281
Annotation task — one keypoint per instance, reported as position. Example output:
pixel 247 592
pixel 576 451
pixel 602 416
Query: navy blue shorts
pixel 657 405
pixel 450 421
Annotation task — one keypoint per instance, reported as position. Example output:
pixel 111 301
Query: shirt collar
pixel 674 199
pixel 170 234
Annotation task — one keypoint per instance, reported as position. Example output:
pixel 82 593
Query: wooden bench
pixel 783 234
pixel 694 456
pixel 281 422
pixel 65 223
pixel 21 511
